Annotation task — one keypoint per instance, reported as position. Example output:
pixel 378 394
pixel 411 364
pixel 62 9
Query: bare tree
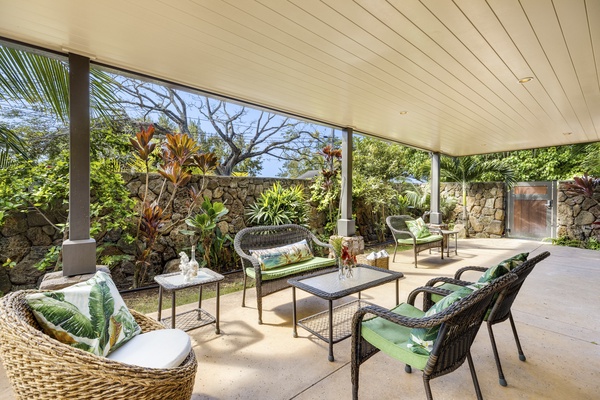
pixel 240 141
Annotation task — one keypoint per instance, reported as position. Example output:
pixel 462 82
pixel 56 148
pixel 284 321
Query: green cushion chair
pixel 268 281
pixel 391 331
pixel 500 310
pixel 417 238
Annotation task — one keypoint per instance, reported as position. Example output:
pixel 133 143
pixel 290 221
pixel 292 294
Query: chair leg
pixel 514 329
pixel 501 379
pixel 474 376
pixel 395 248
pixel 427 387
pixel 415 250
pixel 259 303
pixel 354 373
pixel 244 291
pixel 408 369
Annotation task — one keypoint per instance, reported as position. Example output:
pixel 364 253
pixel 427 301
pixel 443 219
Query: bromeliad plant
pixel 205 224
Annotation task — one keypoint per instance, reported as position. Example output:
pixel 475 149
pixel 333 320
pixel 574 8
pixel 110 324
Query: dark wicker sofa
pixel 267 237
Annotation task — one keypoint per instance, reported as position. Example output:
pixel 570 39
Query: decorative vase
pixel 193 263
pixel 341 271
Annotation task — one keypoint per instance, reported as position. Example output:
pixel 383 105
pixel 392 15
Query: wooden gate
pixel 532 210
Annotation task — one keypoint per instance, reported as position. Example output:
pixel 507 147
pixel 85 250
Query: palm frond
pixel 29 78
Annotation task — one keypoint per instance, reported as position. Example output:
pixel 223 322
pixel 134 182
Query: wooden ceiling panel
pixel 452 65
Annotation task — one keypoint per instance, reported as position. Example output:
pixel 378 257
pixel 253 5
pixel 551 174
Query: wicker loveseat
pixel 268 237
pixel 40 367
pixel 402 235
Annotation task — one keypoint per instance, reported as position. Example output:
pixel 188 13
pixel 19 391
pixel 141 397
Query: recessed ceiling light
pixel 526 79
pixel 403 112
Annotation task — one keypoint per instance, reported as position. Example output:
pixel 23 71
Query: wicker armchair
pixel 402 235
pixel 264 237
pixel 459 324
pixel 502 308
pixel 40 367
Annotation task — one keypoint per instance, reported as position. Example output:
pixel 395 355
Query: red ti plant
pixel 585 186
pixel 143 147
pixel 330 172
pixel 152 220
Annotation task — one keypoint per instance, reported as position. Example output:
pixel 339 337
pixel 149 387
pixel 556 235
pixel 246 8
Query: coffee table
pixel 335 324
pixel 194 318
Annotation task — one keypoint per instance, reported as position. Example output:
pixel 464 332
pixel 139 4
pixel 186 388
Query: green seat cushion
pixel 292 269
pixel 418 228
pixel 393 339
pixel 428 239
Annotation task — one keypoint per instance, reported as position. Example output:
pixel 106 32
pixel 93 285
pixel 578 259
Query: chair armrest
pixel 427 292
pixel 245 256
pixel 458 273
pixel 443 279
pixel 320 243
pixel 396 232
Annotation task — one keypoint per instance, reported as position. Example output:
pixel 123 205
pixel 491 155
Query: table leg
pixel 448 246
pixel 160 295
pixel 200 297
pixel 295 333
pixel 173 309
pixel 217 330
pixel 397 291
pixel 456 244
pixel 331 331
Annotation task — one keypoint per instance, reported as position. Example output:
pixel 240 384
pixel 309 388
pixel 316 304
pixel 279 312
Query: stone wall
pixel 26 237
pixel 486 208
pixel 576 215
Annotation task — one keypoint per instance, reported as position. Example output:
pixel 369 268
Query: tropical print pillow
pixel 90 315
pixel 503 268
pixel 284 255
pixel 421 340
pixel 418 228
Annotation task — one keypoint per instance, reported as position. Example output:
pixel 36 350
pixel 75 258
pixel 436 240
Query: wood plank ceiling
pixel 452 66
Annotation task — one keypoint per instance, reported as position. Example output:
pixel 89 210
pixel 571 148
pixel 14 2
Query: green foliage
pixel 393 161
pixel 44 186
pixel 279 206
pixel 205 223
pixel 591 243
pixel 221 251
pixel 547 164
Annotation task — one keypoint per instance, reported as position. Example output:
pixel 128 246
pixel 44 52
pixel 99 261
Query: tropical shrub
pixel 279 206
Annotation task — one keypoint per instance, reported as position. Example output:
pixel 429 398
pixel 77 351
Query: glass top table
pixel 197 317
pixel 335 324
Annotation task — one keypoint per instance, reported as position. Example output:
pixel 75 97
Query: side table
pixel 447 234
pixel 194 318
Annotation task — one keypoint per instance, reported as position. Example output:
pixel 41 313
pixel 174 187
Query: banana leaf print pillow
pixel 503 268
pixel 421 340
pixel 284 255
pixel 90 315
pixel 418 228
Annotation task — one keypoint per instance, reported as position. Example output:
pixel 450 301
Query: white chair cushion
pixel 163 348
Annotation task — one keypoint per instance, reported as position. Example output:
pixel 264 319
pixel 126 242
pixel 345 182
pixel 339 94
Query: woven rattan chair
pixel 459 324
pixel 402 235
pixel 264 237
pixel 40 367
pixel 501 310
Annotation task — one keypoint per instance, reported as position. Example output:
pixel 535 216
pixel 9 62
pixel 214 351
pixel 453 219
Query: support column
pixel 346 225
pixel 79 251
pixel 435 217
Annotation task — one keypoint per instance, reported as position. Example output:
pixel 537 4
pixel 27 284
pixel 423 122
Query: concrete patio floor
pixel 557 315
